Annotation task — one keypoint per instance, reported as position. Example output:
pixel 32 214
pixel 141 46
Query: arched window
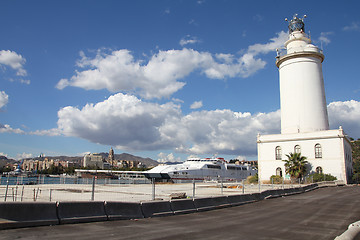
pixel 319 170
pixel 279 172
pixel 297 149
pixel 318 151
pixel 278 153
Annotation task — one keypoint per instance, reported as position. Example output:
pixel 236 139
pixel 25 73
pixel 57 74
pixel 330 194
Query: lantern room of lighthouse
pixel 304 117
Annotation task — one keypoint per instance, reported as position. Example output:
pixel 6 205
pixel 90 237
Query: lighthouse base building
pixel 304 118
pixel 327 152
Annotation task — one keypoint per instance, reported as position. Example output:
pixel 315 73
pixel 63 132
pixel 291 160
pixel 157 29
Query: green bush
pixel 276 179
pixel 319 177
pixel 253 179
pixel 356 178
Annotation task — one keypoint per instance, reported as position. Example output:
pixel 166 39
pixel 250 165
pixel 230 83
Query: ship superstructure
pixel 203 169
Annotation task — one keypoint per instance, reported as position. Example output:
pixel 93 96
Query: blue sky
pixel 161 79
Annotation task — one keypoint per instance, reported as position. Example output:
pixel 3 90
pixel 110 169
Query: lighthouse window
pixel 318 151
pixel 278 153
pixel 297 149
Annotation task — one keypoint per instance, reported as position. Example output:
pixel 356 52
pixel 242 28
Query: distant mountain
pixel 4 160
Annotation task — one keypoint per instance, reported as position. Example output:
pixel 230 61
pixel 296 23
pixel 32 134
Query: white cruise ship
pixel 202 169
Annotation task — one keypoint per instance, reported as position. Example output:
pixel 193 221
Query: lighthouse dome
pixel 296 24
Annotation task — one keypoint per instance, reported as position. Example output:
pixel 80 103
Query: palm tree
pixel 295 165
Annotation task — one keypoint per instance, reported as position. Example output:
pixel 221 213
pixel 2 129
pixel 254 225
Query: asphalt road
pixel 321 214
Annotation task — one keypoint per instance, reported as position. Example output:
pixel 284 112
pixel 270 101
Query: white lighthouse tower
pixel 304 118
pixel 302 94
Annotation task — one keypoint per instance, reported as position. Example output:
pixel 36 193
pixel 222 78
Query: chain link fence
pixel 134 189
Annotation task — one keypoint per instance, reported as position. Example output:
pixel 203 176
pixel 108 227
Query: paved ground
pixel 320 214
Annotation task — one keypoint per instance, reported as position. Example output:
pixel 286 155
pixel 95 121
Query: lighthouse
pixel 304 117
pixel 302 93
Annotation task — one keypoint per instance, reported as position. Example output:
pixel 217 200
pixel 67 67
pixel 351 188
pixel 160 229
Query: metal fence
pixel 137 189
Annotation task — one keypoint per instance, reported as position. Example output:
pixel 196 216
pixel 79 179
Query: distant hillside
pixel 4 160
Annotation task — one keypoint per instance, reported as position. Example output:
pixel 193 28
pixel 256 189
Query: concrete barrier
pixel 183 206
pixel 221 202
pixel 274 193
pixel 156 209
pixel 205 204
pixel 264 194
pixel 292 191
pixel 79 212
pixel 353 232
pixel 123 210
pixel 288 191
pixel 299 190
pixel 310 187
pixel 236 200
pixel 256 196
pixel 27 214
pixel 280 192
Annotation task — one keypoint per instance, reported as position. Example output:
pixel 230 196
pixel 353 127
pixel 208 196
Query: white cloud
pixel 163 157
pixel 4 99
pixel 188 40
pixel 49 132
pixel 121 120
pixel 159 77
pixel 177 100
pixel 354 26
pixel 23 155
pixel 347 115
pixel 4 154
pixel 128 123
pixel 83 154
pixel 258 18
pixel 324 37
pixel 225 131
pixel 226 58
pixel 14 61
pixel 274 43
pixel 5 128
pixel 196 105
pixel 193 22
pixel 241 158
pixel 25 81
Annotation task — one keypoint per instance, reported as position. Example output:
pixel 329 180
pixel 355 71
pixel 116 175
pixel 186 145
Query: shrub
pixel 319 177
pixel 253 179
pixel 276 179
pixel 356 178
